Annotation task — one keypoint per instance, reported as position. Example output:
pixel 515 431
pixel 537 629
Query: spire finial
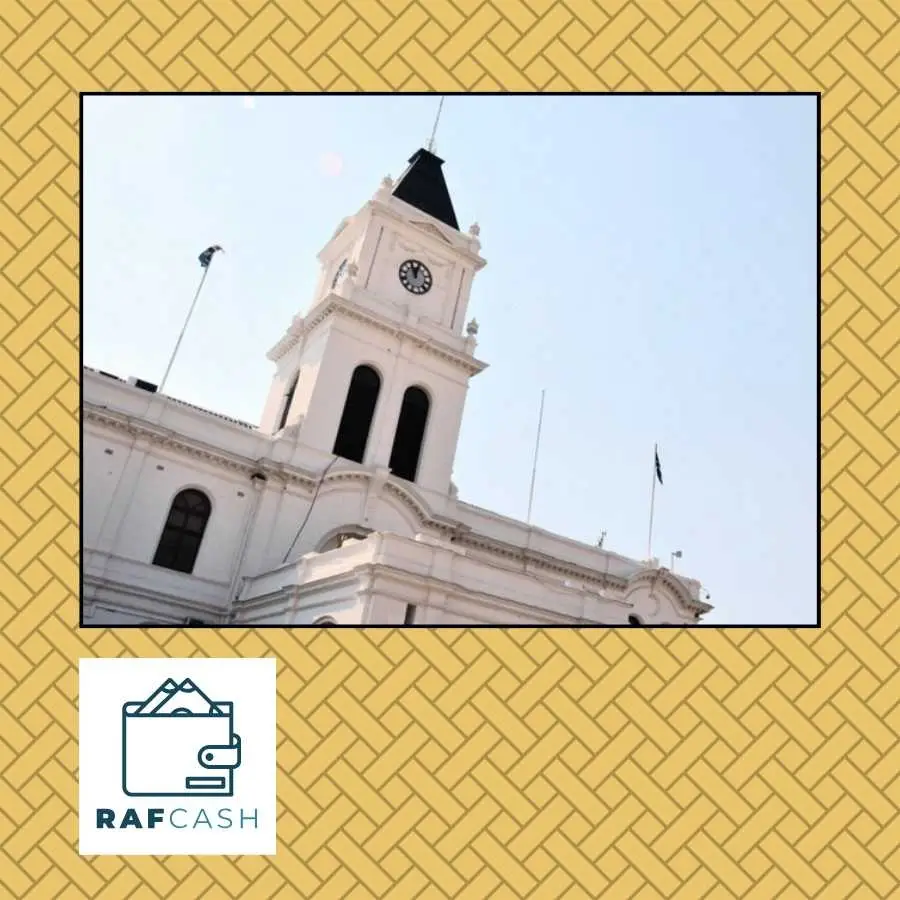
pixel 437 119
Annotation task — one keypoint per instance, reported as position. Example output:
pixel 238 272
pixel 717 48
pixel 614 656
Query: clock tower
pixel 376 372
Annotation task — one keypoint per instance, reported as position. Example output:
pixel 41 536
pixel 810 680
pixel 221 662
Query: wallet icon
pixel 179 743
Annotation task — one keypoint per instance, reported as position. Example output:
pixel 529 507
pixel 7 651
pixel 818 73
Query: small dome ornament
pixel 472 328
pixel 387 183
pixel 475 229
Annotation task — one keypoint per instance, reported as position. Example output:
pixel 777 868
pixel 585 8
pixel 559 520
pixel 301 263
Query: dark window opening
pixel 359 409
pixel 288 400
pixel 634 620
pixel 407 447
pixel 180 542
pixel 336 541
pixel 410 617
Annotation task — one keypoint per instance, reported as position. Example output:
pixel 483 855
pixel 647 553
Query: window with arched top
pixel 324 620
pixel 338 539
pixel 185 525
pixel 407 449
pixel 634 620
pixel 288 400
pixel 359 410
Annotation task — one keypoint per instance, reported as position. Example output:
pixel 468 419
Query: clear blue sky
pixel 651 264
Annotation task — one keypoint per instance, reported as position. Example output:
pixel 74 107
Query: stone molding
pixel 461 534
pixel 333 305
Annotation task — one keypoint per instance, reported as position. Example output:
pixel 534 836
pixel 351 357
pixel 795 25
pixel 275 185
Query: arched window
pixel 180 542
pixel 288 400
pixel 325 621
pixel 359 409
pixel 634 620
pixel 410 431
pixel 346 535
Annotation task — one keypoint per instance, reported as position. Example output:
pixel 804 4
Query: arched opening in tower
pixel 407 449
pixel 359 410
pixel 287 401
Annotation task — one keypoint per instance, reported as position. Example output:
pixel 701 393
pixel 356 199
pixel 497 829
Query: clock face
pixel 415 277
pixel 337 275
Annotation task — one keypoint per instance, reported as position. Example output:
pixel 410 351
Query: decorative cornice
pixel 541 561
pixel 290 593
pixel 126 592
pixel 444 527
pixel 674 586
pixel 297 329
pixel 386 572
pixel 333 305
pixel 246 426
pixel 427 519
pixel 122 383
pixel 169 440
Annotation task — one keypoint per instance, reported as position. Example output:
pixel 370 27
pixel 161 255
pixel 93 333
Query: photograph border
pixel 722 761
pixel 751 97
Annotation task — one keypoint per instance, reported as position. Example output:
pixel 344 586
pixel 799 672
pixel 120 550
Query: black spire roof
pixel 422 185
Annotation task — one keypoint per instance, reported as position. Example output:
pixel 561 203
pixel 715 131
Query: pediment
pixel 658 583
pixel 433 230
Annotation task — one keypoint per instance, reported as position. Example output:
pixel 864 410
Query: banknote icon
pixel 179 743
pixel 179 699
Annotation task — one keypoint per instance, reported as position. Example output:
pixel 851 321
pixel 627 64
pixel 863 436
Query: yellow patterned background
pixel 697 764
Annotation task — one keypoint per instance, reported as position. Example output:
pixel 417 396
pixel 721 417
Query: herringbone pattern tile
pixel 475 764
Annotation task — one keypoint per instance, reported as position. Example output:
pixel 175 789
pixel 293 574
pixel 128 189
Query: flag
pixel 206 256
pixel 658 466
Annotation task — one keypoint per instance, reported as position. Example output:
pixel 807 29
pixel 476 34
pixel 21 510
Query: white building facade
pixel 339 507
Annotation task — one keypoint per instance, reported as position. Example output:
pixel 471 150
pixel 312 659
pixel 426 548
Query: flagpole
pixel 537 445
pixel 652 502
pixel 187 321
pixel 434 130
